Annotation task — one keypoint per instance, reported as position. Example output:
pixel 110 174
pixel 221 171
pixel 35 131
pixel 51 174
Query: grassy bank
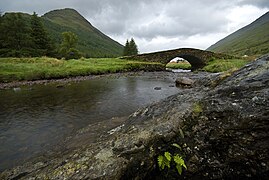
pixel 179 65
pixel 18 69
pixel 221 65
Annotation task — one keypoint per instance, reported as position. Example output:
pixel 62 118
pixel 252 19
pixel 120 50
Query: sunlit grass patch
pixel 179 65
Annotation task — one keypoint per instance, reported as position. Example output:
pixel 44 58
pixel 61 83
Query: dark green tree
pixel 133 47
pixel 68 47
pixel 41 41
pixel 130 48
pixel 126 50
pixel 15 36
pixel 1 34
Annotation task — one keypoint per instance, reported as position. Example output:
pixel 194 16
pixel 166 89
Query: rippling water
pixel 32 119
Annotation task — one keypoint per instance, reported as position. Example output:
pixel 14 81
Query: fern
pixel 161 162
pixel 167 155
pixel 179 163
pixel 166 159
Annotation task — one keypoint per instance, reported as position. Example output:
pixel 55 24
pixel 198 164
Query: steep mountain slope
pixel 92 42
pixel 252 39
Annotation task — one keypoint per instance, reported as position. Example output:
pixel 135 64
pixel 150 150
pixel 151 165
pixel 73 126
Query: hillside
pixel 252 39
pixel 92 42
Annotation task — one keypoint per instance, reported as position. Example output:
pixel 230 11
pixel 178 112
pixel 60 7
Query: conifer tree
pixel 15 36
pixel 1 34
pixel 41 41
pixel 126 50
pixel 133 47
pixel 130 48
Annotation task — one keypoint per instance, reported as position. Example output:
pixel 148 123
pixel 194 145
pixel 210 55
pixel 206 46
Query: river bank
pixel 44 68
pixel 27 71
pixel 63 81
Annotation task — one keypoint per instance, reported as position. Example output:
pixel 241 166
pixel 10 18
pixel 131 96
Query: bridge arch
pixel 196 57
pixel 194 61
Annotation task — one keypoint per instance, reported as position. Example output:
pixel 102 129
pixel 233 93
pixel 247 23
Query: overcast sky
pixel 156 24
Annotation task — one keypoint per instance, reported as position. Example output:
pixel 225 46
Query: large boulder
pixel 184 82
pixel 223 133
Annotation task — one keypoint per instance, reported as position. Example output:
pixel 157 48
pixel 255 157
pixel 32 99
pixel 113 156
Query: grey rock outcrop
pixel 223 133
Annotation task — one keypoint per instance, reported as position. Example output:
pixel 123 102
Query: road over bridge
pixel 196 57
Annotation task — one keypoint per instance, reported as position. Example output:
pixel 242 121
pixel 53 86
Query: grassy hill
pixel 252 40
pixel 92 42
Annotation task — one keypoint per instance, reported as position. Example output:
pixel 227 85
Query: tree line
pixel 27 37
pixel 130 48
pixel 20 38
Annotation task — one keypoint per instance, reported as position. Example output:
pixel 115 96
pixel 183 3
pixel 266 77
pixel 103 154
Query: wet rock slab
pixel 223 132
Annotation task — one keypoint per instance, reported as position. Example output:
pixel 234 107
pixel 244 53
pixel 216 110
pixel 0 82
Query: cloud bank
pixel 156 24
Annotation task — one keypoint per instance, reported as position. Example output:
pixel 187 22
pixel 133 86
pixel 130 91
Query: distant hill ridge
pixel 252 39
pixel 92 42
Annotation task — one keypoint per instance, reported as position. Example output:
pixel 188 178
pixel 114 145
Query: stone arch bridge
pixel 196 57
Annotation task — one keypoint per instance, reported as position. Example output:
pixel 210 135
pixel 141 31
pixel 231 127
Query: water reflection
pixel 34 119
pixel 178 70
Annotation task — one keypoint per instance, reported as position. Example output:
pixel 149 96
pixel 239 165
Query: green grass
pixel 179 65
pixel 18 69
pixel 221 65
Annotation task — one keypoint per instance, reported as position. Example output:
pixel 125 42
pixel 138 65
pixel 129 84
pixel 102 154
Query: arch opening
pixel 178 64
pixel 195 62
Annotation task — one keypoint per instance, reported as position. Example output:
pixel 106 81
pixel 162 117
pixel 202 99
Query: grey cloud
pixel 144 19
pixel 171 18
pixel 258 3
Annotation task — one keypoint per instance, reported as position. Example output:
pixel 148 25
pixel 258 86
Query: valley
pixel 76 104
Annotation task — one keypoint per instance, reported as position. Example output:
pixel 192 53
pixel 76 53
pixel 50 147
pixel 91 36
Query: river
pixel 35 118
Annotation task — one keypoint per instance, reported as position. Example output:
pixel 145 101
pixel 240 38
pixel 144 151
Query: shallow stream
pixel 35 118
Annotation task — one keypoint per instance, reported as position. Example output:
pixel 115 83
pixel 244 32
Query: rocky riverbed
pixel 65 81
pixel 62 81
pixel 221 125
